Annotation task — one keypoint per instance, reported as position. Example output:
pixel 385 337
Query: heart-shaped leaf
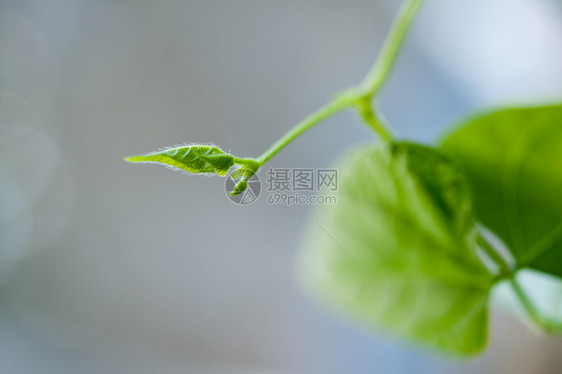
pixel 199 159
pixel 397 250
pixel 513 160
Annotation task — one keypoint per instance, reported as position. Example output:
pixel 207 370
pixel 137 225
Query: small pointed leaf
pixel 199 159
pixel 241 176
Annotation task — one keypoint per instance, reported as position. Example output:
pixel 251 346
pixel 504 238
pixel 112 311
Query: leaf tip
pixel 239 188
pixel 132 159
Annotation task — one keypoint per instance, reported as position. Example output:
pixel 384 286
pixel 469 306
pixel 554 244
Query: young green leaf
pixel 199 159
pixel 513 159
pixel 241 176
pixel 397 251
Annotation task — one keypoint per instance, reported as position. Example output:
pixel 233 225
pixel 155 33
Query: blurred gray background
pixel 107 267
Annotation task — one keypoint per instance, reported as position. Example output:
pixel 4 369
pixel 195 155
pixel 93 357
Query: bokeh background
pixel 107 267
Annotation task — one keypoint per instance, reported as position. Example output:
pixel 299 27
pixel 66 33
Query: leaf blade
pixel 389 221
pixel 511 161
pixel 197 159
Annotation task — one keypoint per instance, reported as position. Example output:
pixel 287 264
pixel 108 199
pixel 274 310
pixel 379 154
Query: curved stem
pixel 528 304
pixel 507 272
pixel 249 163
pixel 376 77
pixel 321 114
pixel 374 120
pixel 361 95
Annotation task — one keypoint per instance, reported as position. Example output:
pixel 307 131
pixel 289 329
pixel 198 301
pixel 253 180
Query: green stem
pixel 361 95
pixel 530 308
pixel 248 163
pixel 507 272
pixel 321 114
pixel 376 77
pixel 374 120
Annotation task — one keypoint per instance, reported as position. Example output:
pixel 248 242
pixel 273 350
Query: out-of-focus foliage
pixel 402 250
pixel 397 249
pixel 513 159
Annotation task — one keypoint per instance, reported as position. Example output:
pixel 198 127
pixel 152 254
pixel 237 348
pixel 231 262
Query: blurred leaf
pixel 514 163
pixel 200 159
pixel 396 251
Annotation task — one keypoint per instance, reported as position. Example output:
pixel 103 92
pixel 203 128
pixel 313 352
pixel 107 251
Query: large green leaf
pixel 513 159
pixel 396 251
pixel 199 159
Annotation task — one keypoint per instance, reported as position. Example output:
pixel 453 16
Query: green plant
pixel 408 247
